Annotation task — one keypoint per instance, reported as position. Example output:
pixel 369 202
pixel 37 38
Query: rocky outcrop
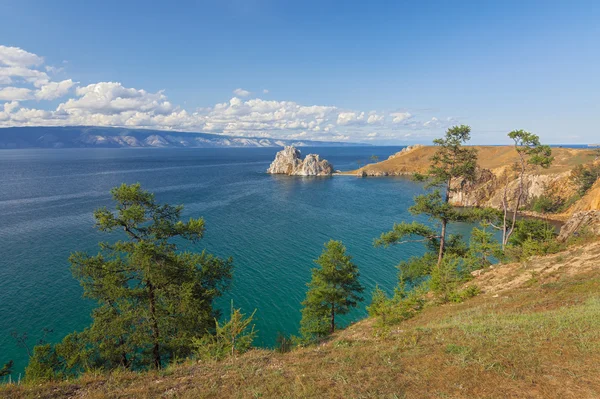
pixel 488 188
pixel 406 150
pixel 587 222
pixel 289 162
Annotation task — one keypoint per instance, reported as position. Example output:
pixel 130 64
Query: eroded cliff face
pixel 489 186
pixel 585 222
pixel 289 162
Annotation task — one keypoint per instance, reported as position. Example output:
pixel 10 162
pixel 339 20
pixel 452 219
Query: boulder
pixel 289 162
pixel 580 222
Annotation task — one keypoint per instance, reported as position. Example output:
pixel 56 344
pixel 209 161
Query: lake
pixel 273 227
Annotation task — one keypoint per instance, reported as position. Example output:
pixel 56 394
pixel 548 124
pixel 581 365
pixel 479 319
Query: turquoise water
pixel 273 227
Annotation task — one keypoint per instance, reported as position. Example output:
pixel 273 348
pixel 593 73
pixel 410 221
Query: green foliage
pixel 405 232
pixel 452 160
pixel 44 365
pixel 448 276
pixel 584 177
pixel 535 230
pixel 532 237
pixel 531 153
pixel 6 369
pixel 153 300
pixel 232 338
pixel 284 343
pixel 374 158
pixel 529 147
pixel 403 305
pixel 484 246
pixel 464 294
pixel 416 269
pixel 546 203
pixel 334 289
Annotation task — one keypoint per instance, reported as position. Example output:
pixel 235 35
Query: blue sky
pixel 381 72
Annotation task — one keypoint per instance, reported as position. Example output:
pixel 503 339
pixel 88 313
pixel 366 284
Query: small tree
pixel 374 158
pixel 531 153
pixel 231 338
pixel 451 166
pixel 483 246
pixel 333 290
pixel 152 298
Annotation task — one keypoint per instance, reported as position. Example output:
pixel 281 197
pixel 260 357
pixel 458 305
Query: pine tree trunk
pixel 519 198
pixel 332 318
pixel 442 242
pixel 444 223
pixel 155 333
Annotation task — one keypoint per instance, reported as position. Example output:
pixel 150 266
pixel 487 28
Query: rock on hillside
pixel 289 162
pixel 581 222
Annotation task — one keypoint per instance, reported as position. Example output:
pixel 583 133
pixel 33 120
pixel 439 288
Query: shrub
pixel 584 177
pixel 532 229
pixel 403 305
pixel 234 337
pixel 547 204
pixel 464 294
pixel 284 343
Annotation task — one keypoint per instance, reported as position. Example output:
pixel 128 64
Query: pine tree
pixel 152 298
pixel 483 246
pixel 531 154
pixel 451 166
pixel 333 290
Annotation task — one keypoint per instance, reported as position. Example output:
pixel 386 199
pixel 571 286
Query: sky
pixel 379 72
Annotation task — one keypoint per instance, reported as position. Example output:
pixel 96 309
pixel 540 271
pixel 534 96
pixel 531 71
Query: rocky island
pixel 289 162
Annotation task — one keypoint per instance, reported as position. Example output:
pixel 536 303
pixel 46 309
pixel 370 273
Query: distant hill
pixel 111 137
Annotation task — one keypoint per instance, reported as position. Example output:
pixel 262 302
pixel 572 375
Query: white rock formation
pixel 289 162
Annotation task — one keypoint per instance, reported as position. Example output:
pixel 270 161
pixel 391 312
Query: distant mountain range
pixel 111 137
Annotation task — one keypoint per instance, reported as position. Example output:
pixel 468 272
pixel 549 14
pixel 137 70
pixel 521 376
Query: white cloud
pixel 14 94
pixel 24 77
pixel 241 92
pixel 374 118
pixel 11 106
pixel 108 98
pixel 349 118
pixel 16 57
pixel 399 117
pixel 53 90
pixel 22 74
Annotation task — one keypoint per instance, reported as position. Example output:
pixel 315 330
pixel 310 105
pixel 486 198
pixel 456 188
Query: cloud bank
pixel 29 93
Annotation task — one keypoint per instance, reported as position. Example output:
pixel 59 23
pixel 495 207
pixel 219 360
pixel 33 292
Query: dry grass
pixel 534 333
pixel 490 157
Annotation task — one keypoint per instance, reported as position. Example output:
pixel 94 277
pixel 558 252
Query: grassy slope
pixel 533 333
pixel 490 157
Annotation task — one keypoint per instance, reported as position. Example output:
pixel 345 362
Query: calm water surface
pixel 273 227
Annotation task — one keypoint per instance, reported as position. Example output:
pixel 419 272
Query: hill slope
pixel 489 157
pixel 534 332
pixel 494 170
pixel 109 137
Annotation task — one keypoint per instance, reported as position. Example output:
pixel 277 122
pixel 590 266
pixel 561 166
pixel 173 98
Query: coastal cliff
pixel 289 162
pixel 495 174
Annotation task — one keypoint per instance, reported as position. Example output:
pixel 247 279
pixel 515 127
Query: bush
pixel 234 337
pixel 547 204
pixel 584 177
pixel 403 305
pixel 532 229
pixel 462 295
pixel 284 343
